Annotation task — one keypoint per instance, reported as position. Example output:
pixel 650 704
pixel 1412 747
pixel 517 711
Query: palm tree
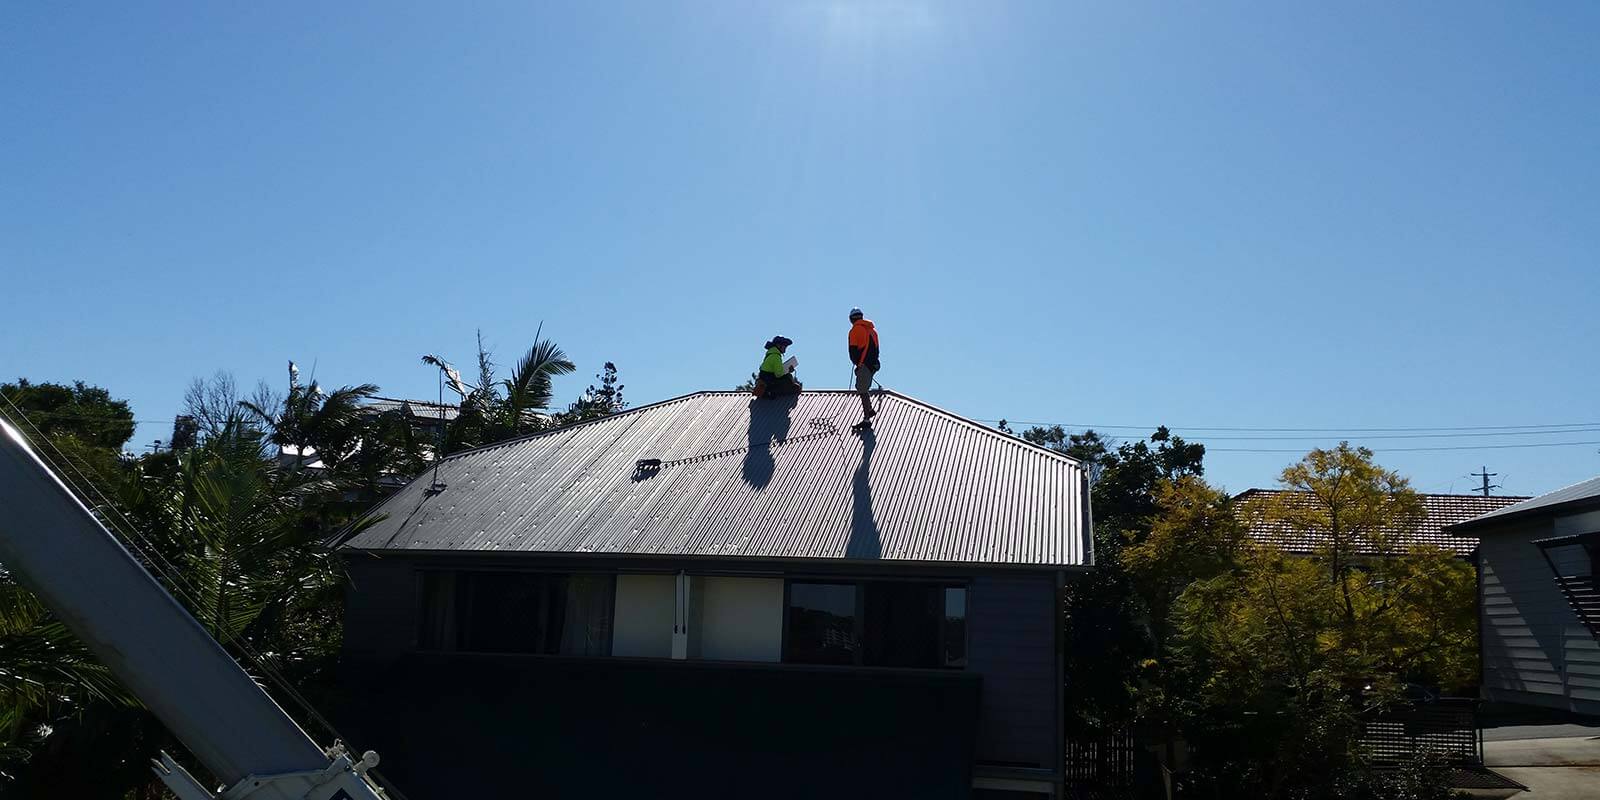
pixel 496 410
pixel 45 672
pixel 529 388
pixel 327 422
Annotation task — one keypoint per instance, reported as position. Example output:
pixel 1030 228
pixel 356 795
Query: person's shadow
pixel 769 424
pixel 864 542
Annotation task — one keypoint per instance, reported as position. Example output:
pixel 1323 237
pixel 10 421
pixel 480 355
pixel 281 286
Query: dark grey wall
pixel 1011 621
pixel 1011 642
pixel 380 610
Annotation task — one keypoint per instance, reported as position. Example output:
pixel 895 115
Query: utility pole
pixel 1486 475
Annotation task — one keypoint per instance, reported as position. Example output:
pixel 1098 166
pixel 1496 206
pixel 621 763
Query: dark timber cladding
pixel 747 478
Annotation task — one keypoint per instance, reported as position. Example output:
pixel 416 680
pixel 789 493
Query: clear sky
pixel 1258 215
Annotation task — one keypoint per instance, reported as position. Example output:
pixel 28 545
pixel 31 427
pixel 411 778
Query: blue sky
pixel 1285 215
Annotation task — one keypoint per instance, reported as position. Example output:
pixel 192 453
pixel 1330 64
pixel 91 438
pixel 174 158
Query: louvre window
pixel 516 612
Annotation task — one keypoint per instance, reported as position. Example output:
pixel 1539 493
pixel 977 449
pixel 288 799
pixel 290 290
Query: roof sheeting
pixel 1440 512
pixel 754 479
pixel 1580 493
pixel 421 410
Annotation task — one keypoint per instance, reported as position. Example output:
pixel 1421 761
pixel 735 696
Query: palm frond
pixel 529 388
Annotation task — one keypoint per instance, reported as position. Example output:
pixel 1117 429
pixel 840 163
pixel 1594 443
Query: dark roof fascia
pixel 649 562
pixel 1489 523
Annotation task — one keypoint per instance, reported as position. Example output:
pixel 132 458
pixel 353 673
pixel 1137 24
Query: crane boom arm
pixel 58 549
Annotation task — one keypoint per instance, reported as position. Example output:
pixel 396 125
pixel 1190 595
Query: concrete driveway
pixel 1555 762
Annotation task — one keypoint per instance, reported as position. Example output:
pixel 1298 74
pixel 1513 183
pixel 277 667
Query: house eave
pixel 781 563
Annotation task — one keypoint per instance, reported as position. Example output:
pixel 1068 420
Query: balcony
pixel 454 725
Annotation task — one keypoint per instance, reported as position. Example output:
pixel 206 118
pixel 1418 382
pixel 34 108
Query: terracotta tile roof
pixel 1441 510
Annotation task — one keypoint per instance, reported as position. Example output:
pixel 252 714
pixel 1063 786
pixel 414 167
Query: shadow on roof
pixel 769 425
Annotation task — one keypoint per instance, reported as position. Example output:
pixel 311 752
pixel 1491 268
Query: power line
pixel 1210 438
pixel 1084 426
pixel 1365 434
pixel 1408 449
pixel 1419 432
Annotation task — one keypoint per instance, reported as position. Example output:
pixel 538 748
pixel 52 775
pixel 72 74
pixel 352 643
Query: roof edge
pixel 1018 440
pixel 611 556
pixel 1512 514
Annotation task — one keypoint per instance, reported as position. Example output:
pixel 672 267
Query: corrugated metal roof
pixel 1439 512
pixel 756 479
pixel 417 409
pixel 1579 492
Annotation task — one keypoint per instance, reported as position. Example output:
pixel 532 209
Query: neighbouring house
pixel 426 419
pixel 1539 599
pixel 1440 512
pixel 718 596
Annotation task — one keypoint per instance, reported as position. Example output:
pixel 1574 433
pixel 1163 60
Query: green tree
pixel 244 540
pixel 1125 477
pixel 1194 535
pixel 48 679
pixel 1408 611
pixel 1109 632
pixel 80 424
pixel 1270 708
pixel 46 675
pixel 309 419
pixel 245 534
pixel 496 409
pixel 596 401
pixel 1279 658
pixel 1357 510
pixel 82 412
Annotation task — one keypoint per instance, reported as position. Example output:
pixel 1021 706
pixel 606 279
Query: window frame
pixel 860 585
pixel 455 646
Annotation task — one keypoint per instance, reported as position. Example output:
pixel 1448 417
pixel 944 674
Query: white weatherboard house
pixel 1539 599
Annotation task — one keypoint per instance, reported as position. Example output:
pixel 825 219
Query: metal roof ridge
pixel 925 405
pixel 567 427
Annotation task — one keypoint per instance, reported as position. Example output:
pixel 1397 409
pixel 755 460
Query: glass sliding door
pixel 822 624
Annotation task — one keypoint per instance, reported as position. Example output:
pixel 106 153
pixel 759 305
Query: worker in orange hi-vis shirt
pixel 864 358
